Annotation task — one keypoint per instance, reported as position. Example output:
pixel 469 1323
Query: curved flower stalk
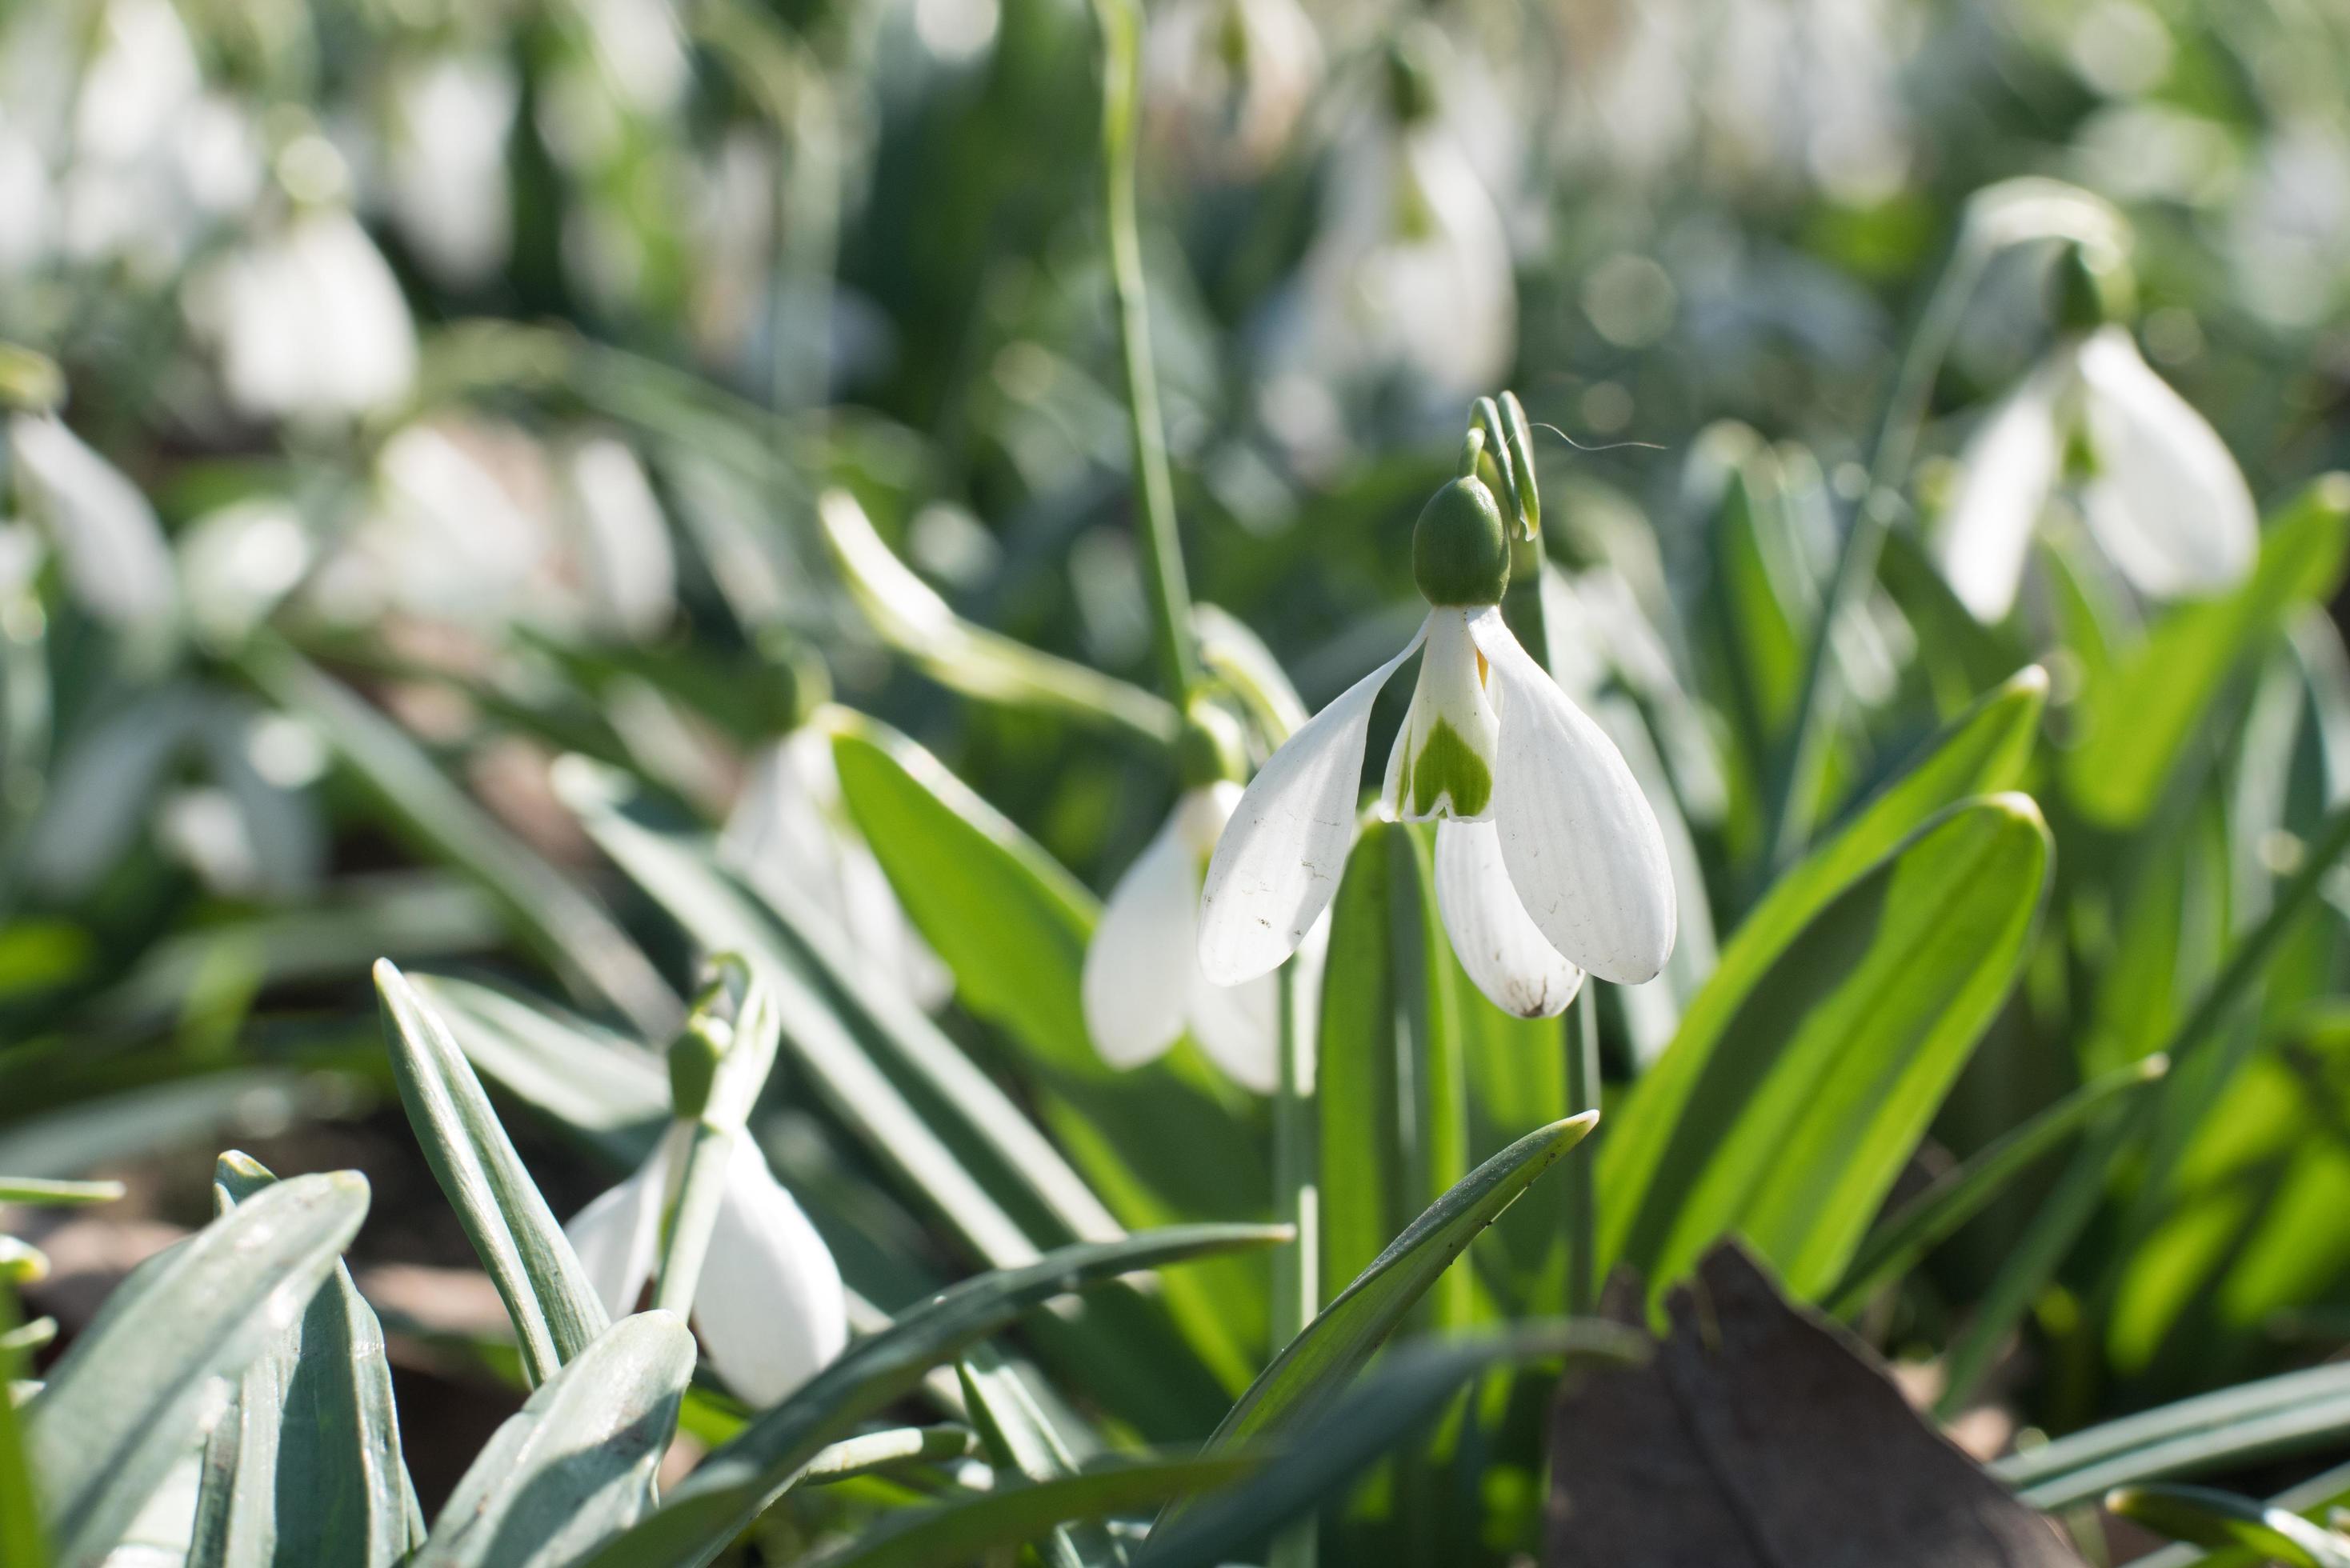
pixel 707 1223
pixel 2160 494
pixel 1143 983
pixel 1549 861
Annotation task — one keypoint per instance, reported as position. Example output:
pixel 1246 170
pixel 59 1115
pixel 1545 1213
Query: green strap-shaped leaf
pixel 575 1466
pixel 1160 1142
pixel 2137 723
pixel 2219 1519
pixel 868 1453
pixel 966 1530
pixel 305 1468
pixel 556 1311
pixel 22 1543
pixel 742 1477
pixel 607 1089
pixel 127 1400
pixel 48 1193
pixel 1315 1367
pixel 1021 1439
pixel 1808 1100
pixel 1981 751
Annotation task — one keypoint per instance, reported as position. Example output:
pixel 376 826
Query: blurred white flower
pixel 116 561
pixel 1548 858
pixel 621 535
pixel 791 838
pixel 1143 983
pixel 309 324
pixel 2163 497
pixel 1412 271
pixel 770 1306
pixel 1226 80
pixel 447 164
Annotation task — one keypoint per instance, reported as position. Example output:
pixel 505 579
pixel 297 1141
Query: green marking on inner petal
pixel 1447 765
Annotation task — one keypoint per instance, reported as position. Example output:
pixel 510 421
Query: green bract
pixel 1460 547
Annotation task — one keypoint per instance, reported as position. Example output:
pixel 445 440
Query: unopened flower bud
pixel 1460 546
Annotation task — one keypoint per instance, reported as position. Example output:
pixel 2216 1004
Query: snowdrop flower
pixel 1229 78
pixel 2162 496
pixel 1549 861
pixel 309 324
pixel 1143 981
pixel 112 548
pixel 769 1304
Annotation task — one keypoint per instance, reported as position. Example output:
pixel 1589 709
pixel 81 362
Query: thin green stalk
pixel 1582 1213
pixel 1162 552
pixel 691 1211
pixel 1906 408
pixel 2067 1211
pixel 1296 1157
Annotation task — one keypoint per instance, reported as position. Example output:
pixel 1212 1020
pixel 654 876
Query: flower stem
pixel 1582 1095
pixel 1162 552
pixel 1296 1201
pixel 692 1212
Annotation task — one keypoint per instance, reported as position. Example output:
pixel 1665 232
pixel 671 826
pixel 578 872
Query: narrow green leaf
pixel 2287 1414
pixel 1983 751
pixel 569 930
pixel 1399 1400
pixel 1022 1440
pixel 556 1311
pixel 1315 1367
pixel 1801 1107
pixel 609 1089
pixel 305 1468
pixel 1894 1248
pixel 22 1544
pixel 742 1477
pixel 48 1193
pixel 870 1452
pixel 966 1530
pixel 2219 1519
pixel 575 1466
pixel 1160 1142
pixel 2136 723
pixel 126 1402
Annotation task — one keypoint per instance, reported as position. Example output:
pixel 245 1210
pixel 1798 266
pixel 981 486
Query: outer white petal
pixel 1582 846
pixel 1140 966
pixel 617 1237
pixel 2169 502
pixel 770 1303
pixel 112 547
pixel 2008 469
pixel 1277 866
pixel 1500 946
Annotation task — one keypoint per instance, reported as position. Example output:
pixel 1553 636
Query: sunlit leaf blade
pixel 2208 1433
pixel 1801 1106
pixel 886 1450
pixel 2136 723
pixel 1022 1440
pixel 575 1466
pixel 609 1090
pixel 49 1193
pixel 127 1400
pixel 570 930
pixel 740 1478
pixel 970 1527
pixel 1981 751
pixel 556 1311
pixel 2219 1519
pixel 1315 1367
pixel 305 1468
pixel 1392 1403
pixel 1158 1141
pixel 1896 1246
pixel 22 1544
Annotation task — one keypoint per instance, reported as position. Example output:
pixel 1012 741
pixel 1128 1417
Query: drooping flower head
pixel 1549 862
pixel 2159 490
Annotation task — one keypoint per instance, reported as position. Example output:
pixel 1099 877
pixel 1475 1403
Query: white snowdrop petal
pixel 1447 769
pixel 1582 846
pixel 618 1236
pixel 1239 1026
pixel 2007 470
pixel 1278 865
pixel 2169 502
pixel 770 1303
pixel 1498 944
pixel 1145 950
pixel 113 549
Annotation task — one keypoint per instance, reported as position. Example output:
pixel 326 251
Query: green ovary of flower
pixel 1444 765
